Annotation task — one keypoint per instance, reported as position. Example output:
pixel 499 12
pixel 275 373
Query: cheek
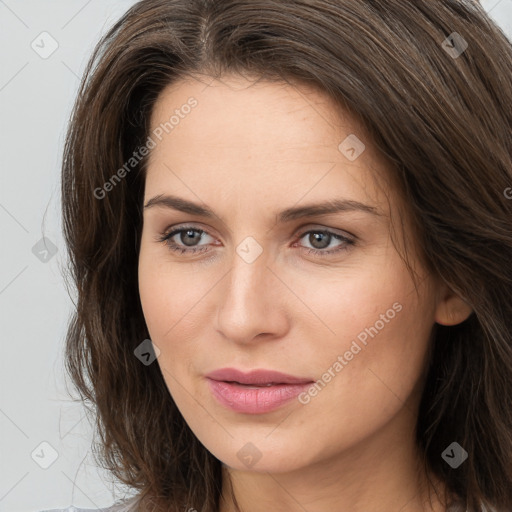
pixel 382 360
pixel 165 314
pixel 167 292
pixel 173 299
pixel 353 303
pixel 153 296
pixel 373 352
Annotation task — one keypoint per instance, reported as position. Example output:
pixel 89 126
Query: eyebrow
pixel 287 215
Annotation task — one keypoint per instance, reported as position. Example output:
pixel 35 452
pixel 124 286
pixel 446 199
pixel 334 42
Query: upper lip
pixel 256 377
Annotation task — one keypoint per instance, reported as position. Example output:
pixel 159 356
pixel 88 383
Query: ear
pixel 451 309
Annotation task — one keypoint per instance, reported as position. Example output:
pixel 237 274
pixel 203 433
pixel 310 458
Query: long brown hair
pixel 431 81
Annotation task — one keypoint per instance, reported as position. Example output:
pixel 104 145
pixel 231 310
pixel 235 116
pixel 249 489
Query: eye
pixel 188 237
pixel 321 239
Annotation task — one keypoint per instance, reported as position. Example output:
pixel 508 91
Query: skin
pixel 247 151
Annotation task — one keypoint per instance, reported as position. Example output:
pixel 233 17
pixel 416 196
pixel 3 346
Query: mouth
pixel 255 386
pixel 257 378
pixel 256 392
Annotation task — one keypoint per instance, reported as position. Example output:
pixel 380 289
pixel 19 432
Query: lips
pixel 255 392
pixel 256 377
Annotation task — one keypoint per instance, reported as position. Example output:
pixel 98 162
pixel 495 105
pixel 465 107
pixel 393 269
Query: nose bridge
pixel 247 282
pixel 249 263
pixel 249 304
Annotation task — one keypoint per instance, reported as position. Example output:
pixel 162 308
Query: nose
pixel 252 302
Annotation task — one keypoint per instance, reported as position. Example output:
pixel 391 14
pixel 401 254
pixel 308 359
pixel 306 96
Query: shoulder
pixel 124 506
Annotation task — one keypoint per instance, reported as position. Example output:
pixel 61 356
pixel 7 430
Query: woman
pixel 290 230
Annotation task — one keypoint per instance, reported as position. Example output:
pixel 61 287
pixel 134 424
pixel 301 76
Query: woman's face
pixel 277 284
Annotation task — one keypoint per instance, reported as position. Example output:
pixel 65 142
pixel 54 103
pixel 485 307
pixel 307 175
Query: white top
pixel 126 506
pixel 130 505
pixel 74 509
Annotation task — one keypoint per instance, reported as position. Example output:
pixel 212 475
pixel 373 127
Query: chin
pixel 258 457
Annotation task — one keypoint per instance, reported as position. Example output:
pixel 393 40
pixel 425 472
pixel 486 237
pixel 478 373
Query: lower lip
pixel 249 400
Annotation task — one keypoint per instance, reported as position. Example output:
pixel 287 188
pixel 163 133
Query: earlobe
pixel 452 309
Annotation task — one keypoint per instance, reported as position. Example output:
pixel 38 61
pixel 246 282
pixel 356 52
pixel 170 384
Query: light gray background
pixel 36 96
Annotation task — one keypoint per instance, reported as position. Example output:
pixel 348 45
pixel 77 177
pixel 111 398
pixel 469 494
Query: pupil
pixel 318 237
pixel 189 234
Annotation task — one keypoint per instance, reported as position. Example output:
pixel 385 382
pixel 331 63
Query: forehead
pixel 281 142
pixel 235 110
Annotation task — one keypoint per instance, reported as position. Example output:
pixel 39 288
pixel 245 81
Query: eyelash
pixel 165 238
